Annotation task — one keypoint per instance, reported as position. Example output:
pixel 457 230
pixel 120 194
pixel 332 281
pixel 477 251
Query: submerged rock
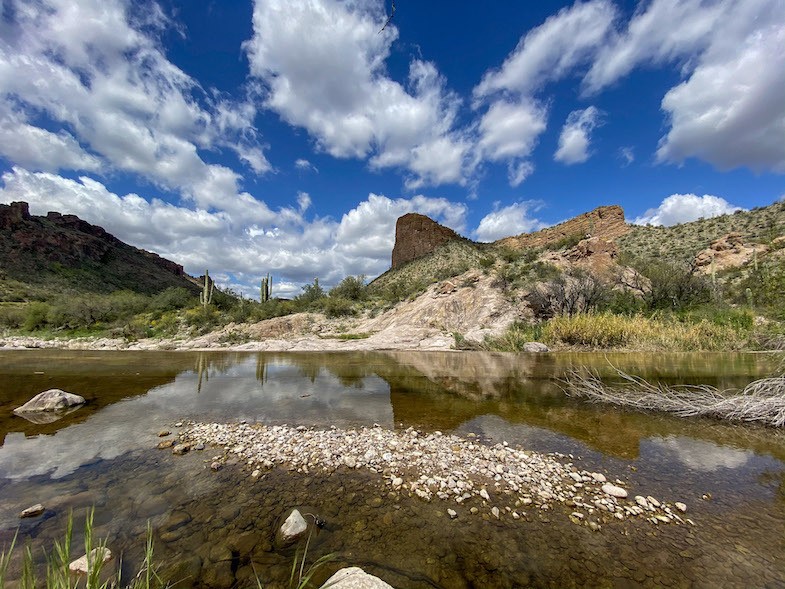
pixel 51 400
pixel 33 511
pixel 292 529
pixel 84 564
pixel 355 578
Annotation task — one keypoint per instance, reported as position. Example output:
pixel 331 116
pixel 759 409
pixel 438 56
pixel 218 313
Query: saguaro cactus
pixel 206 296
pixel 266 288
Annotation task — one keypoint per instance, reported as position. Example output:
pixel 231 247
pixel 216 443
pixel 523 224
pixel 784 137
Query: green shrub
pixel 171 299
pixel 338 307
pixel 36 316
pixel 12 316
pixel 352 288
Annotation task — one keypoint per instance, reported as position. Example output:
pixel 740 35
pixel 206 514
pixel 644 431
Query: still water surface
pixel 216 529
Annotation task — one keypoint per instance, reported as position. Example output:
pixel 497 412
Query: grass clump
pixel 57 570
pixel 599 331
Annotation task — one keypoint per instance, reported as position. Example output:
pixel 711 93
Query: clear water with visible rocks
pixel 216 527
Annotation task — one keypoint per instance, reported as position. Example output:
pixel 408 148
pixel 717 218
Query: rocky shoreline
pixel 469 476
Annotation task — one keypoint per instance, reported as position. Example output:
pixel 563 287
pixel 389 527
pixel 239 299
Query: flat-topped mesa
pixel 605 222
pixel 417 235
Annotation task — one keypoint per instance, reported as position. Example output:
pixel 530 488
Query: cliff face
pixel 65 250
pixel 606 222
pixel 417 235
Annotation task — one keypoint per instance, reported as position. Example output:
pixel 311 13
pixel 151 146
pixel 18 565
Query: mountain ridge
pixel 66 252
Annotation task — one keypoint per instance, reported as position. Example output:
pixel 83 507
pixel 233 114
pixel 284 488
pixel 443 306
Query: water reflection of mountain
pixel 443 390
pixel 446 390
pixel 132 395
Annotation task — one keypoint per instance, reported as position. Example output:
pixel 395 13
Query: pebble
pixel 165 444
pixel 199 446
pixel 215 466
pixel 163 433
pixel 680 506
pixel 429 466
pixel 180 449
pixel 452 513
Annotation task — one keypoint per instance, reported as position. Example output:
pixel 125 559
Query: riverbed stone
pixel 535 347
pixel 33 511
pixel 51 400
pixel 614 491
pixel 292 529
pixel 355 578
pixel 84 564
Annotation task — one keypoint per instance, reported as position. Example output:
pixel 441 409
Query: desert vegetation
pixel 652 296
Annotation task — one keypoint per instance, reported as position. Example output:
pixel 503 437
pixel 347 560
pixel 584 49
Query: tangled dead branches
pixel 761 401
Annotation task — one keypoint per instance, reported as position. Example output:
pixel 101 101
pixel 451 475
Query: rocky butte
pixel 417 235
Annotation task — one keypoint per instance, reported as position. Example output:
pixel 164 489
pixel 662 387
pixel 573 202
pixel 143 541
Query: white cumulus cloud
pixel 730 108
pixel 293 248
pixel 97 69
pixel 683 208
pixel 323 65
pixel 576 135
pixel 550 51
pixel 510 220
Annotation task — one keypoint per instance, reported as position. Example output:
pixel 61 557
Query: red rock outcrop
pixel 605 222
pixel 417 235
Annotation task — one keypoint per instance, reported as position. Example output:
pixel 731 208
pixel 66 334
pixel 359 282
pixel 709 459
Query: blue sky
pixel 276 136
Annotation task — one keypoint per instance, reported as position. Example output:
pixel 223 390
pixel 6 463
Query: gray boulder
pixel 535 347
pixel 51 400
pixel 355 578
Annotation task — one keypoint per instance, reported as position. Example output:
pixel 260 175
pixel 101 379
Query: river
pixel 216 529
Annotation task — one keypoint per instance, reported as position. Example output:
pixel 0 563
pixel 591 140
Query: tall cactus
pixel 266 288
pixel 206 296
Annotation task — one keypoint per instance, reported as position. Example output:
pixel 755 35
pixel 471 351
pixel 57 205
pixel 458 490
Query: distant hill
pixel 59 253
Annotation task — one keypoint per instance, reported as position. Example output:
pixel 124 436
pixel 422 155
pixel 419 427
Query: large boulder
pixel 51 400
pixel 355 578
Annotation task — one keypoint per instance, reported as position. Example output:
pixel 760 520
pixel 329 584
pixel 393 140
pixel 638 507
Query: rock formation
pixel 417 235
pixel 64 248
pixel 606 222
pixel 729 251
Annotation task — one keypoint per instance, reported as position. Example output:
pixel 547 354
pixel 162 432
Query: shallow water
pixel 216 529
